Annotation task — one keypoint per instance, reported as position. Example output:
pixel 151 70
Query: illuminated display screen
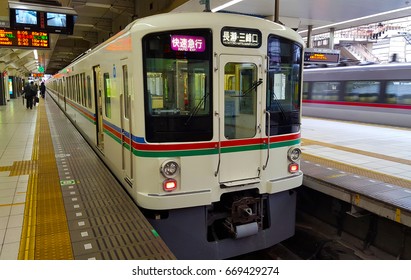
pixel 56 20
pixel 24 39
pixel 26 17
pixel 241 37
pixel 321 57
pixel 187 43
pixel 45 21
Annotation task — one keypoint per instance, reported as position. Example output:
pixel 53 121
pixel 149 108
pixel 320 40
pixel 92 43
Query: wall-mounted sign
pixel 241 37
pixel 24 39
pixel 187 43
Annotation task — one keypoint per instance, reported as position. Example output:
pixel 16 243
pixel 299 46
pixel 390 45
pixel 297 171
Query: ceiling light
pixel 226 5
pixel 84 25
pixel 36 56
pixel 98 5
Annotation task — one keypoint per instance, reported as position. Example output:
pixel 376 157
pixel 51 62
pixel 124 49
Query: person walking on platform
pixel 42 89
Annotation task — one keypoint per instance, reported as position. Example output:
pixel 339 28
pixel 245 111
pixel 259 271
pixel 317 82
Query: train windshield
pixel 284 85
pixel 177 78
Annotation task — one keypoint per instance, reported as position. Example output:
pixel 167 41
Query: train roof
pixel 207 19
pixel 175 21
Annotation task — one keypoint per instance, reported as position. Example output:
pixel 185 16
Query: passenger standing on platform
pixel 42 89
pixel 29 92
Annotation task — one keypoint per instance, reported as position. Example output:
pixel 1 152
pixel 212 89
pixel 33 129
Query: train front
pixel 222 113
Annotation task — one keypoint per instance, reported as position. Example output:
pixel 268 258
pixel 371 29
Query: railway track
pixel 326 231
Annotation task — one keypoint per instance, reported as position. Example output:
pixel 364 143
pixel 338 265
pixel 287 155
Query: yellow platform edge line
pixel 31 245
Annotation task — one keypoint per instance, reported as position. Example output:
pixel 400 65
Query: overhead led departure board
pixel 24 39
pixel 321 56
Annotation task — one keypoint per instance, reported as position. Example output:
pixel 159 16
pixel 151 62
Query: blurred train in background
pixel 379 94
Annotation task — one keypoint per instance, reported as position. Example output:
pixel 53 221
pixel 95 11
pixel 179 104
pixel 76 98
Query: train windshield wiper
pixel 197 108
pixel 279 106
pixel 251 88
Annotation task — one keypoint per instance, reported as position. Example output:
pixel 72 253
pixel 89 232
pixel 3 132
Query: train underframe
pixel 241 222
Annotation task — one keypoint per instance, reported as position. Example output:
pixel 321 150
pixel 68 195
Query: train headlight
pixel 169 168
pixel 294 154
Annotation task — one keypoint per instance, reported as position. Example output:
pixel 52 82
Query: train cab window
pixel 107 94
pixel 240 100
pixel 284 85
pixel 398 92
pixel 325 90
pixel 177 85
pixel 362 91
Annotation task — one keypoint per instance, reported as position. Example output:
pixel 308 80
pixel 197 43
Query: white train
pixel 198 116
pixel 379 94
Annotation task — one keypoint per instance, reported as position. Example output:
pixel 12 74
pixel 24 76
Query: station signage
pixel 241 37
pixel 321 56
pixel 24 39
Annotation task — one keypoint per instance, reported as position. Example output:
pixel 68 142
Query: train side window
pixel 76 88
pixel 89 102
pixel 398 92
pixel 107 94
pixel 126 93
pixel 83 89
pixel 306 90
pixel 325 91
pixel 362 91
pixel 69 88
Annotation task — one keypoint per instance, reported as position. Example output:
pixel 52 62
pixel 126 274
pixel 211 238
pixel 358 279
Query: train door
pixel 98 93
pixel 126 126
pixel 240 116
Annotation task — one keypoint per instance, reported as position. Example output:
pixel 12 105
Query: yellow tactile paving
pixel 45 232
pixel 307 142
pixel 5 168
pixel 358 170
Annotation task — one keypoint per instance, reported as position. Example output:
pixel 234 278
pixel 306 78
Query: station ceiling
pixel 97 18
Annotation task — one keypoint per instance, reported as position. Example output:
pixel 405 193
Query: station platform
pixel 58 201
pixel 366 165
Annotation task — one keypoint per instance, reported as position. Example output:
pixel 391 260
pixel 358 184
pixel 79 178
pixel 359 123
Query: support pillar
pixel 331 40
pixel 310 29
pixel 277 11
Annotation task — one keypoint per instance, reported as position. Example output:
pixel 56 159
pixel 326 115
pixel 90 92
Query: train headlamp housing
pixel 294 154
pixel 169 168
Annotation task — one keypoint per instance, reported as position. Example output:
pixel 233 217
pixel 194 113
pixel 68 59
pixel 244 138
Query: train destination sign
pixel 187 43
pixel 321 56
pixel 24 39
pixel 241 37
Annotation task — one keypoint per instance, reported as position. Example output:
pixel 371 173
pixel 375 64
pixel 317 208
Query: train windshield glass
pixel 284 85
pixel 177 87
